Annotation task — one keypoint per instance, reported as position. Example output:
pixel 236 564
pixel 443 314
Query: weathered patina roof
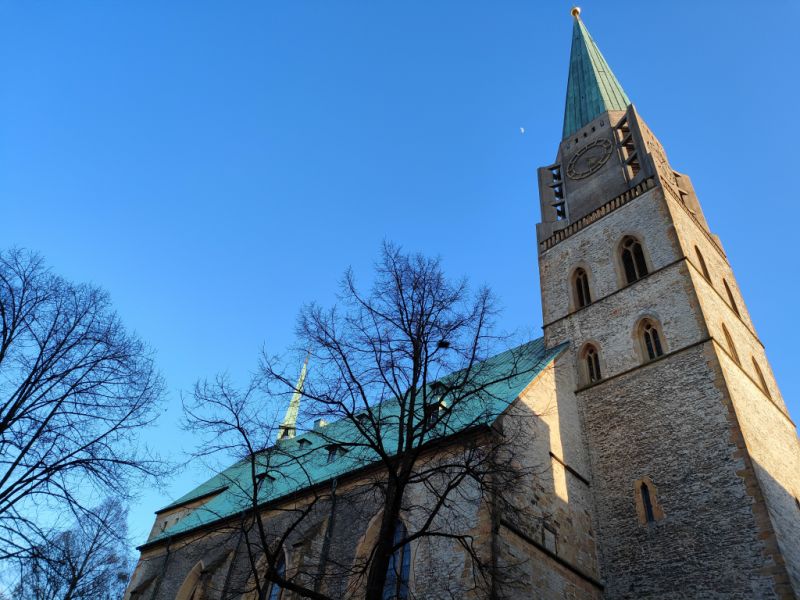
pixel 301 462
pixel 592 88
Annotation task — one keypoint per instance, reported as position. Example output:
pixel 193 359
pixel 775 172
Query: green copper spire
pixel 592 88
pixel 289 426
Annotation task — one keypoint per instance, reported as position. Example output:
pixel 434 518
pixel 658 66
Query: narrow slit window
pixel 731 347
pixel 652 340
pixel 633 259
pixel 702 262
pixel 731 301
pixel 761 380
pixel 582 293
pixel 647 503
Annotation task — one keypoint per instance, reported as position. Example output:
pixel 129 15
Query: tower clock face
pixel 589 159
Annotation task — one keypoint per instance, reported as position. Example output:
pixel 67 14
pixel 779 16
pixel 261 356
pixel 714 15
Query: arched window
pixel 731 301
pixel 651 339
pixel 762 381
pixel 591 359
pixel 633 259
pixel 731 347
pixel 191 587
pixel 583 297
pixel 396 586
pixel 702 262
pixel 648 507
pixel 276 591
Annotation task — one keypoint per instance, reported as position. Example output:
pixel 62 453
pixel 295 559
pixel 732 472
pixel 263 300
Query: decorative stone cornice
pixel 598 213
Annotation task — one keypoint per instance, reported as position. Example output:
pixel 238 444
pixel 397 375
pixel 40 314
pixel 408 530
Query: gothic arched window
pixel 646 499
pixel 192 586
pixel 591 359
pixel 396 586
pixel 580 280
pixel 731 347
pixel 761 379
pixel 731 301
pixel 651 339
pixel 276 591
pixel 702 262
pixel 633 259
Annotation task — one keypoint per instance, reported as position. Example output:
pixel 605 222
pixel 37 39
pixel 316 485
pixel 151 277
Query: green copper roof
pixel 592 88
pixel 302 461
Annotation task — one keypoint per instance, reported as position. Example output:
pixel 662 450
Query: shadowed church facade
pixel 667 463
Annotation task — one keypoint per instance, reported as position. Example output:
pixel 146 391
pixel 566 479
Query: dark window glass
pixel 582 292
pixel 633 259
pixel 647 503
pixel 396 586
pixel 630 268
pixel 652 340
pixel 593 364
pixel 275 591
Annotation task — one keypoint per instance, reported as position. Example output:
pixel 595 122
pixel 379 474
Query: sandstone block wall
pixel 726 493
pixel 595 249
pixel 440 567
pixel 769 434
pixel 667 421
pixel 548 548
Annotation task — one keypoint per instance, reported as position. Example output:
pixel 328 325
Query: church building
pixel 667 463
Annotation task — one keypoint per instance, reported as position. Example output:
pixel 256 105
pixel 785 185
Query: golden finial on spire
pixel 576 12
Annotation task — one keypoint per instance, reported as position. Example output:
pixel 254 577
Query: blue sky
pixel 215 165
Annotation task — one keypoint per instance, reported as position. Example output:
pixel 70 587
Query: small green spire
pixel 592 88
pixel 289 426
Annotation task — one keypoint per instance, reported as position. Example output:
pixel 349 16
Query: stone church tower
pixel 681 414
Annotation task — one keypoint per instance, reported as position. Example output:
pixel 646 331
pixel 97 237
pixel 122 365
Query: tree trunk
pixel 376 577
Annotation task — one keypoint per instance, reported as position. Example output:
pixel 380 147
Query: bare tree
pixel 242 424
pixel 404 368
pixel 75 390
pixel 89 561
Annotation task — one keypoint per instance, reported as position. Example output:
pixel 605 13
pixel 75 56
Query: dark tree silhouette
pixel 403 366
pixel 75 389
pixel 89 561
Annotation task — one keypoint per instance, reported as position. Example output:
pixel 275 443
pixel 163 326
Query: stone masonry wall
pixel 713 298
pixel 440 567
pixel 667 421
pixel 769 434
pixel 774 450
pixel 671 421
pixel 596 252
pixel 552 526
